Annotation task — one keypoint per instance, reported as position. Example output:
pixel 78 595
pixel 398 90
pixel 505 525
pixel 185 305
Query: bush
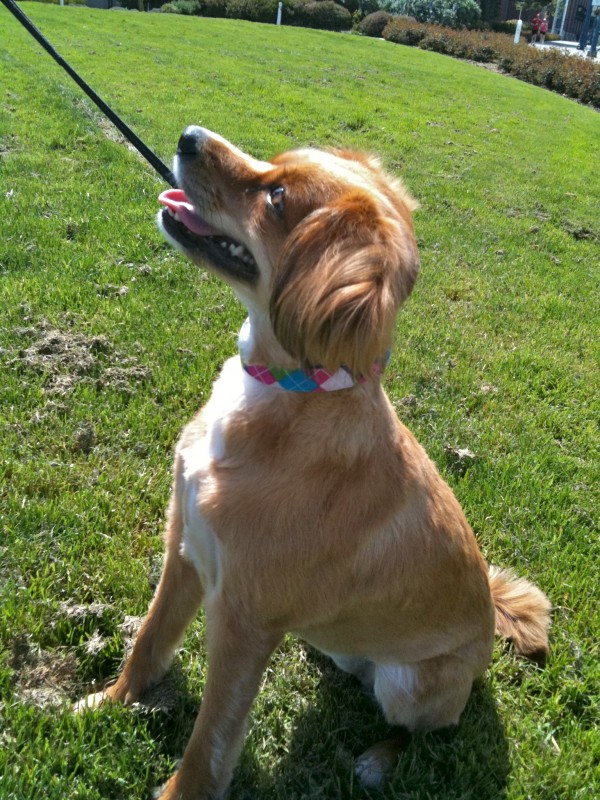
pixel 326 15
pixel 575 77
pixel 450 13
pixel 373 24
pixel 252 10
pixel 292 12
pixel 213 8
pixel 401 30
pixel 371 6
pixel 350 5
pixel 189 8
pixel 509 26
pixel 169 8
pixel 437 41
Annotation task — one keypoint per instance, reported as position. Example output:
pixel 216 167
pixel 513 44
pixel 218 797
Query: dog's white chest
pixel 233 391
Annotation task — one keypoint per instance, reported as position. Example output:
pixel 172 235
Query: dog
pixel 300 502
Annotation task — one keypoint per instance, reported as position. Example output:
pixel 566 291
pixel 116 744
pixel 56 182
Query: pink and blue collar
pixel 299 380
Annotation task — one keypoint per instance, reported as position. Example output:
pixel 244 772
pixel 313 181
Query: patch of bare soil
pixel 47 679
pixel 489 65
pixel 68 357
pixel 43 678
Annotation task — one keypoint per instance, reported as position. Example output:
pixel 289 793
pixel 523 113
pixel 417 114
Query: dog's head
pixel 320 243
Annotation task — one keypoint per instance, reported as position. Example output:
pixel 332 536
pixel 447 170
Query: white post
pixel 279 7
pixel 563 21
pixel 518 29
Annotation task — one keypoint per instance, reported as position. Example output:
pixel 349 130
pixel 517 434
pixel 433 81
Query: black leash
pixel 135 140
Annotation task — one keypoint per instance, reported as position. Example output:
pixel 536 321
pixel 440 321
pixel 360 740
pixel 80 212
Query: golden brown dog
pixel 300 502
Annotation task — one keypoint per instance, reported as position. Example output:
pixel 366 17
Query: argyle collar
pixel 299 380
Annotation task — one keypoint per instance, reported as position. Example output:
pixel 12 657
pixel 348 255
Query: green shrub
pixel 326 15
pixel 292 12
pixel 189 8
pixel 371 6
pixel 252 10
pixel 450 13
pixel 213 8
pixel 169 8
pixel 373 24
pixel 351 5
pixel 509 26
pixel 362 8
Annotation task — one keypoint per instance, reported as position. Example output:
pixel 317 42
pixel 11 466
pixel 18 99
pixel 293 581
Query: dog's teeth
pixel 177 217
pixel 237 252
pixel 224 245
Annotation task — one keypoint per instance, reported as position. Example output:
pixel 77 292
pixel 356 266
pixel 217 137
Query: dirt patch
pixel 489 65
pixel 166 695
pixel 46 679
pixel 582 233
pixel 8 144
pixel 43 678
pixel 459 458
pixel 67 358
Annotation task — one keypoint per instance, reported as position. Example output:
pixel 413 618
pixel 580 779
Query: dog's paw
pixel 90 703
pixel 93 701
pixel 173 788
pixel 375 765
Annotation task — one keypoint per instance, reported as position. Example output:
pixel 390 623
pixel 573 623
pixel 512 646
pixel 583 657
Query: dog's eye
pixel 275 199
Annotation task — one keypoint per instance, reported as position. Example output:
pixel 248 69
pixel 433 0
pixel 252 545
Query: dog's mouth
pixel 200 241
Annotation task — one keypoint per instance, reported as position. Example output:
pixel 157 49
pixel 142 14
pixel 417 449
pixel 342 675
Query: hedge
pixel 574 77
pixel 324 14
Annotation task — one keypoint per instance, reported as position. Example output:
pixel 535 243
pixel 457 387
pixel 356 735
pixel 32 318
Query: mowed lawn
pixel 109 341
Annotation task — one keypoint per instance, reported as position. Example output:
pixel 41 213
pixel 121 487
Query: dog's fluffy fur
pixel 318 514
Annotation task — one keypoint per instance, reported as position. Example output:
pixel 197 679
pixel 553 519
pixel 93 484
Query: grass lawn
pixel 109 341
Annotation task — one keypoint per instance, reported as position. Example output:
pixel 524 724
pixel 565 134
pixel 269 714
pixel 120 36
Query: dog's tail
pixel 522 613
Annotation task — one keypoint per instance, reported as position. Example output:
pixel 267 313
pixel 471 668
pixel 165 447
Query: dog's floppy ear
pixel 340 279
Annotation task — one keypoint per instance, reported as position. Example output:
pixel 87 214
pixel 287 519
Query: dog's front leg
pixel 238 653
pixel 175 604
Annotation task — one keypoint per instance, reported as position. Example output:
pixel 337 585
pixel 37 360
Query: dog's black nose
pixel 190 141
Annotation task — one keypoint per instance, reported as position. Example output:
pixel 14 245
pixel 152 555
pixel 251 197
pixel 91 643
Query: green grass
pixel 109 341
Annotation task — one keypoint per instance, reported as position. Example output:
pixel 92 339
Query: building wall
pixel 575 18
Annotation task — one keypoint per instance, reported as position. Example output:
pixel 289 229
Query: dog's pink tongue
pixel 177 201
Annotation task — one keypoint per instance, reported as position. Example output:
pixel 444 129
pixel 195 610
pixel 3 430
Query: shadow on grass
pixel 469 761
